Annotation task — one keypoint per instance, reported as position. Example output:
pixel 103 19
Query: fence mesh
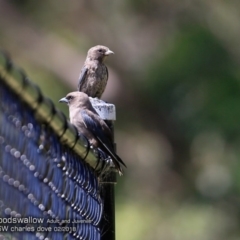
pixel 47 191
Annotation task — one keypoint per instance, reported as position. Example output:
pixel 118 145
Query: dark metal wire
pixel 42 172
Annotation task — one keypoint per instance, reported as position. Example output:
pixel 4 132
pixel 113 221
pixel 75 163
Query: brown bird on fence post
pixel 87 121
pixel 94 74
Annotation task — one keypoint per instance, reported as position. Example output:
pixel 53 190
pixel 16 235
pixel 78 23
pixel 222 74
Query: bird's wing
pixel 95 127
pixel 107 71
pixel 82 77
pixel 89 122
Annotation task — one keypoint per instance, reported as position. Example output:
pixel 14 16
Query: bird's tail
pixel 115 158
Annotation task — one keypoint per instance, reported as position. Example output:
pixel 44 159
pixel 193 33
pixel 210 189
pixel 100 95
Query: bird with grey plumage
pixel 84 117
pixel 94 74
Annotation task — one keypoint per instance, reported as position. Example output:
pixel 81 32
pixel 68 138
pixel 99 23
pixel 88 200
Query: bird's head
pixel 99 53
pixel 77 100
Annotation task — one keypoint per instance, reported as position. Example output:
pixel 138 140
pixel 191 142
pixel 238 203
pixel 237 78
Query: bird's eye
pixel 70 97
pixel 100 50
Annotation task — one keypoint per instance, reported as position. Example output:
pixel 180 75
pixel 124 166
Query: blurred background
pixel 175 81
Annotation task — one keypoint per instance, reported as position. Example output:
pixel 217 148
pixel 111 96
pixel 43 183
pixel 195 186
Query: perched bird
pixel 94 74
pixel 87 121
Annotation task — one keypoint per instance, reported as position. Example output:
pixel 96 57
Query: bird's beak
pixel 63 100
pixel 109 52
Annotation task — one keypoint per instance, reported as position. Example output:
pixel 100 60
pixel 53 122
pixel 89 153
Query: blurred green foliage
pixel 197 82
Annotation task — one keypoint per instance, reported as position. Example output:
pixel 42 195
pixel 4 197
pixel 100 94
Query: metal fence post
pixel 107 112
pixel 108 218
